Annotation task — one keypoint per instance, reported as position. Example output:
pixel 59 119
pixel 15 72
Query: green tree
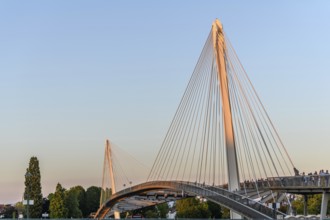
pixel 8 211
pixel 81 196
pixel 313 204
pixel 157 211
pixel 93 194
pixel 163 209
pixel 33 188
pixel 225 213
pixel 19 207
pixel 50 197
pixel 72 204
pixel 192 208
pixel 215 209
pixel 57 207
pixel 151 214
pixel 283 208
pixel 298 205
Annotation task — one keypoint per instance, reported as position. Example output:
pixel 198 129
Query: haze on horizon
pixel 75 73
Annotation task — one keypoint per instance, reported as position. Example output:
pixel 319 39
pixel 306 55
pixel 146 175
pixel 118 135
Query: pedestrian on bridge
pixel 327 176
pixel 321 178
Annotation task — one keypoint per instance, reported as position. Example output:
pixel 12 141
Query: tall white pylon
pixel 219 46
pixel 108 164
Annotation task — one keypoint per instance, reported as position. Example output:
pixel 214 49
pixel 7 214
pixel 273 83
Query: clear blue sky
pixel 73 73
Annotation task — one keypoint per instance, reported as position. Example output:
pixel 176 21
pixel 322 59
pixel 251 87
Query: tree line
pixel 75 202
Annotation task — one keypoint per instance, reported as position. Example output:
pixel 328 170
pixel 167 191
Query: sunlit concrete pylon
pixel 219 46
pixel 108 172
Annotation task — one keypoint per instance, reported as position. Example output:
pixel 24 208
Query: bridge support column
pixel 116 215
pixel 219 45
pixel 234 215
pixel 324 204
pixel 112 177
pixel 305 204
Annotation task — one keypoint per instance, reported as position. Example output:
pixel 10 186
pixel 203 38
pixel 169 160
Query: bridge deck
pixel 243 205
pixel 243 202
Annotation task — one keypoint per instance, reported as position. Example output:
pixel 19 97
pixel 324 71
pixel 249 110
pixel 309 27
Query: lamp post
pixel 27 176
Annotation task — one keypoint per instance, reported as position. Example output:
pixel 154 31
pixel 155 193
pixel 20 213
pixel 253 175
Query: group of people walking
pixel 320 179
pixel 316 179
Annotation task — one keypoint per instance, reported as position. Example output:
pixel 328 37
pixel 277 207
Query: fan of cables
pixel 123 167
pixel 194 147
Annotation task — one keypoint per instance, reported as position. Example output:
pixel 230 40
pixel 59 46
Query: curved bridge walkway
pixel 241 204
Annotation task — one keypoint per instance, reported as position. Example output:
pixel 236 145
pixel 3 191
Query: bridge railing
pixel 317 181
pixel 234 196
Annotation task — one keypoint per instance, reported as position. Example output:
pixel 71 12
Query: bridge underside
pixel 146 199
pixel 145 194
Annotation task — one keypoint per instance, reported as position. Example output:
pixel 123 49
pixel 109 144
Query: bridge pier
pixel 112 176
pixel 305 204
pixel 324 204
pixel 116 215
pixel 234 215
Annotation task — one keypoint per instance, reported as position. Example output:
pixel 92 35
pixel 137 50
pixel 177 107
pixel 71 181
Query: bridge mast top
pixel 217 34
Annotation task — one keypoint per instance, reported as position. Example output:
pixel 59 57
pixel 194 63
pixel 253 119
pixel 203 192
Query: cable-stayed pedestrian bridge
pixel 221 145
